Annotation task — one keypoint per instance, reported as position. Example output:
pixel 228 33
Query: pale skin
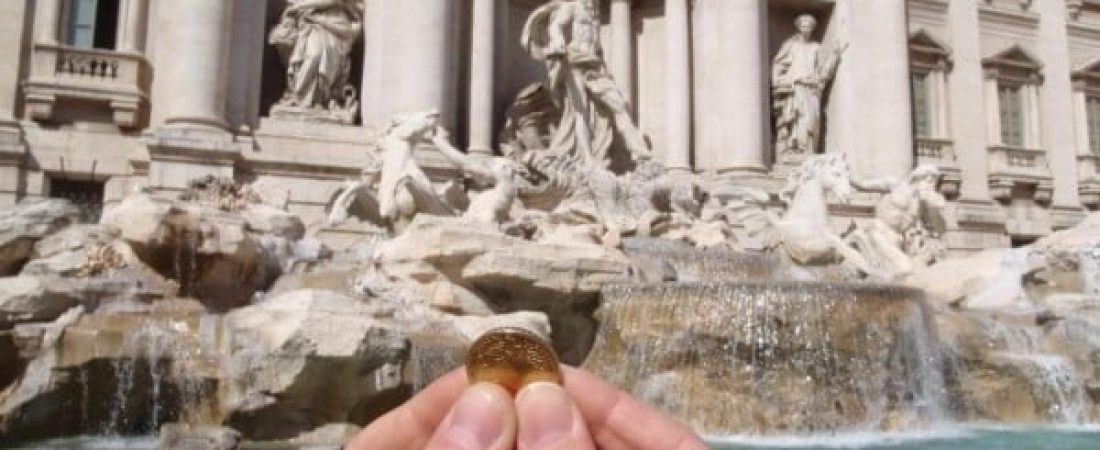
pixel 585 414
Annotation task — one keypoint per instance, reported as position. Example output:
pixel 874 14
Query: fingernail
pixel 477 419
pixel 545 415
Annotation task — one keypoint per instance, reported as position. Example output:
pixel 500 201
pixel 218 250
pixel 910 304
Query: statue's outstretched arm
pixel 466 164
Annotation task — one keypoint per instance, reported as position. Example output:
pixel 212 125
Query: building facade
pixel 99 97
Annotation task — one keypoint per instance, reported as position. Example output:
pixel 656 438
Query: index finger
pixel 619 421
pixel 411 425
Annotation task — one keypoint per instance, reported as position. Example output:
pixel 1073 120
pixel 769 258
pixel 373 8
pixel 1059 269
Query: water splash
pixel 764 358
pixel 1056 386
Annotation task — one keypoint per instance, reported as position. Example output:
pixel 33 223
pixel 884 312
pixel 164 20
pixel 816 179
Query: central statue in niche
pixel 579 107
pixel 800 72
pixel 314 39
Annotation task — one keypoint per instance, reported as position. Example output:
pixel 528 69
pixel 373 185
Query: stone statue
pixel 800 72
pixel 578 109
pixel 400 189
pixel 314 39
pixel 908 225
pixel 404 188
pixel 804 231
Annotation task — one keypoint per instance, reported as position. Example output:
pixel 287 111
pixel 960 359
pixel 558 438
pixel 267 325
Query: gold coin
pixel 512 358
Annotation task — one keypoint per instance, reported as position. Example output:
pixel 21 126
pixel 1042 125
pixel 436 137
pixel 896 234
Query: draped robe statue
pixel 800 72
pixel 579 105
pixel 314 39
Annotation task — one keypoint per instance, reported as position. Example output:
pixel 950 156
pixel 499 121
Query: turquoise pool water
pixel 976 438
pixel 971 438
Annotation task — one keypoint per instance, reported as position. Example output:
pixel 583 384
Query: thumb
pixel 483 418
pixel 548 420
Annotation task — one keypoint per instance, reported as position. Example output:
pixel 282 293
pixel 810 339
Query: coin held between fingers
pixel 512 358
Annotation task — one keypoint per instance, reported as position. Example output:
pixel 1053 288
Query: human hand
pixel 586 414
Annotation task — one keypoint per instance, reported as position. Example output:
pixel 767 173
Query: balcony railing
pixel 1088 167
pixel 1011 166
pixel 118 80
pixel 940 153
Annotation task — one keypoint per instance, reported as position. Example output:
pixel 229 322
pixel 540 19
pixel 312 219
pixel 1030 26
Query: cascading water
pixel 765 358
pixel 1014 360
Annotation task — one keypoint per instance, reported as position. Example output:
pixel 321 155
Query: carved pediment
pixel 1015 63
pixel 929 52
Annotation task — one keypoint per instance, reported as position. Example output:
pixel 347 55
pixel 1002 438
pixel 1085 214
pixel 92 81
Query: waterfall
pixel 782 357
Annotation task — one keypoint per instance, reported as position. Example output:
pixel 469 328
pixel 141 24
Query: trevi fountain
pixel 751 311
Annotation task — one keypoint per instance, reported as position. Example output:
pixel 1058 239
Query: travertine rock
pixel 220 257
pixel 25 224
pixel 1065 262
pixel 32 299
pixel 307 358
pixel 27 407
pixel 474 270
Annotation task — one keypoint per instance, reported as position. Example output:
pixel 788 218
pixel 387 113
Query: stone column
pixel 482 49
pixel 1056 107
pixel 189 94
pixel 410 59
pixel 132 25
pixel 192 62
pixel 47 21
pixel 993 108
pixel 731 113
pixel 876 112
pixel 677 85
pixel 12 150
pixel 621 63
pixel 970 100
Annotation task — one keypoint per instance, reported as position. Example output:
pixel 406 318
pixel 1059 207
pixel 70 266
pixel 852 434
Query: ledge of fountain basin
pixel 686 260
pixel 902 292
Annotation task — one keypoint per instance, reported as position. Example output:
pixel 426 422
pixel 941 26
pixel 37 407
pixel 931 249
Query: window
pixel 1013 120
pixel 91 23
pixel 1093 112
pixel 1013 83
pixel 85 194
pixel 922 106
pixel 930 62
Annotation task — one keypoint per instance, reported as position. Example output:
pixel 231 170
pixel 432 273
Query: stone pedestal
pixel 178 155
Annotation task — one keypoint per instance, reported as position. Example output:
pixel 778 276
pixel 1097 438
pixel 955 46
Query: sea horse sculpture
pixel 803 232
